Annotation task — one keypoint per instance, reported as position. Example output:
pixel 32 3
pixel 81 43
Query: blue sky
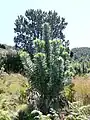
pixel 76 12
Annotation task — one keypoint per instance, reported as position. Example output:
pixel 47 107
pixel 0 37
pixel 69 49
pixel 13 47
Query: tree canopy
pixel 29 27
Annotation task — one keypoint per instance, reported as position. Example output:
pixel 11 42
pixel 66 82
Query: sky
pixel 76 13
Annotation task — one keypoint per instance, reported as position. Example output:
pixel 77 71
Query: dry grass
pixel 11 86
pixel 82 88
pixel 13 83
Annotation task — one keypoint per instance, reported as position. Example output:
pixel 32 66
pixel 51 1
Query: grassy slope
pixel 11 88
pixel 82 88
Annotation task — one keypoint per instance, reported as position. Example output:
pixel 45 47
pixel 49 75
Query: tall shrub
pixel 49 71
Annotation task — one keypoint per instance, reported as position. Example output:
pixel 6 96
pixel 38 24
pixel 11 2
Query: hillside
pixel 6 49
pixel 81 53
pixel 12 93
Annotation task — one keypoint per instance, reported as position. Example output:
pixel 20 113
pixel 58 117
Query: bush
pixel 13 63
pixel 49 72
pixel 10 60
pixel 69 92
pixel 2 46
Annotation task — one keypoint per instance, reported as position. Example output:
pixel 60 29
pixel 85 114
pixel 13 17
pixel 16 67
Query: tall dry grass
pixel 82 88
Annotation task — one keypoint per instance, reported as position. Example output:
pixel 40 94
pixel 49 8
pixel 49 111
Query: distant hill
pixel 7 50
pixel 4 46
pixel 81 53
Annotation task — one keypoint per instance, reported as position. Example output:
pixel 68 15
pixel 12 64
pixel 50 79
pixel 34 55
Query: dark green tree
pixel 50 70
pixel 29 27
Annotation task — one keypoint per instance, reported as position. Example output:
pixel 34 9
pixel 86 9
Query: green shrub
pixel 23 95
pixel 10 60
pixel 69 92
pixel 2 46
pixel 12 63
pixel 49 72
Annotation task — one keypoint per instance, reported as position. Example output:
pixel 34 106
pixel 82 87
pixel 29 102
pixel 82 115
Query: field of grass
pixel 82 88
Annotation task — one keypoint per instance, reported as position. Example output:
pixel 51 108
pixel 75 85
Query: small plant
pixel 78 112
pixel 69 92
pixel 34 115
pixel 23 96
